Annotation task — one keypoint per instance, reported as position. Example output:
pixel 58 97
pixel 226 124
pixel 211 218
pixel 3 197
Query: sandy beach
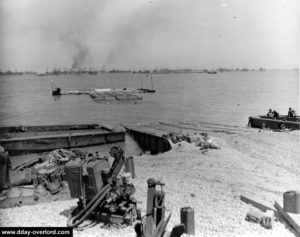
pixel 257 163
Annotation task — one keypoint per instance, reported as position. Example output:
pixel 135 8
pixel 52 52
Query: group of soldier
pixel 275 114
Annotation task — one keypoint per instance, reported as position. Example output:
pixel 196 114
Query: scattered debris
pixel 103 195
pixel 28 164
pixel 206 142
pixel 159 138
pixel 254 216
pixel 177 137
pixel 200 140
pixel 268 220
pixel 264 219
pixel 50 173
pixel 46 175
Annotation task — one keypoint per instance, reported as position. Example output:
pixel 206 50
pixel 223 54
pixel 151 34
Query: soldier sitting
pixel 275 114
pixel 291 113
pixel 270 114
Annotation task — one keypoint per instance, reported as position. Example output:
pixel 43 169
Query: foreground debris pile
pixel 42 179
pixel 48 170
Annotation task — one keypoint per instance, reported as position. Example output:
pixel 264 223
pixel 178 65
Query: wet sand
pixel 257 163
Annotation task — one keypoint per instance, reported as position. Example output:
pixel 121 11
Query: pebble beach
pixel 261 164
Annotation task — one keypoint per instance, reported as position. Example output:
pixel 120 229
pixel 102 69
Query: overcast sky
pixel 144 34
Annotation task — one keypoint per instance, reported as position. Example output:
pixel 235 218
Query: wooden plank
pixel 258 204
pixel 288 218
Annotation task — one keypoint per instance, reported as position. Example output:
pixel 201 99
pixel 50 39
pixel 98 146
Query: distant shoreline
pixel 58 72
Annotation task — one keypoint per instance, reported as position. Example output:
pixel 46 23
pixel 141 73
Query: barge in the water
pixel 36 139
pixel 282 122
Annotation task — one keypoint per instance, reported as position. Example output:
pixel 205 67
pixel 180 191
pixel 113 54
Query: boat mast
pixel 151 82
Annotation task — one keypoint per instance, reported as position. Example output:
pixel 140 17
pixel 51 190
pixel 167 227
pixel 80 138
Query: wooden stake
pixel 288 218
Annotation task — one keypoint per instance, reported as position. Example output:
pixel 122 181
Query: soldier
pixel 291 113
pixel 275 114
pixel 270 114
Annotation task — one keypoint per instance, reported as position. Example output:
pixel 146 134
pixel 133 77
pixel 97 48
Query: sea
pixel 223 98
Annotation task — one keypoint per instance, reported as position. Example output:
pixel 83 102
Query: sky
pixel 148 34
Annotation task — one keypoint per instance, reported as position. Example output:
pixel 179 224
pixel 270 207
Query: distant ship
pixel 42 74
pixel 92 72
pixel 211 72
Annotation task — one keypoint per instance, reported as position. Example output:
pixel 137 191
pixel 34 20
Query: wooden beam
pixel 288 218
pixel 258 204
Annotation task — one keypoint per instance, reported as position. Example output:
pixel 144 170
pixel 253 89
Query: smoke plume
pixel 80 56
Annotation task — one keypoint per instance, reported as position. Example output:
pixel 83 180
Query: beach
pixel 262 164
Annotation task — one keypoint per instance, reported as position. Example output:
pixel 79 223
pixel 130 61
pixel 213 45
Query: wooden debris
pixel 254 216
pixel 258 204
pixel 267 220
pixel 288 218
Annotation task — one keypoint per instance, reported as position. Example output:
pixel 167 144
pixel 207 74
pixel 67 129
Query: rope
pixel 61 155
pixel 161 200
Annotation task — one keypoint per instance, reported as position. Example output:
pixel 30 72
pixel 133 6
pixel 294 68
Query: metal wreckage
pixel 105 192
pixel 108 197
pixel 102 195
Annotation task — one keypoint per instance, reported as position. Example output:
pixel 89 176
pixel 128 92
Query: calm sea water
pixel 227 98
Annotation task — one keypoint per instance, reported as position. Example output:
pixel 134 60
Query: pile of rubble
pixel 201 140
